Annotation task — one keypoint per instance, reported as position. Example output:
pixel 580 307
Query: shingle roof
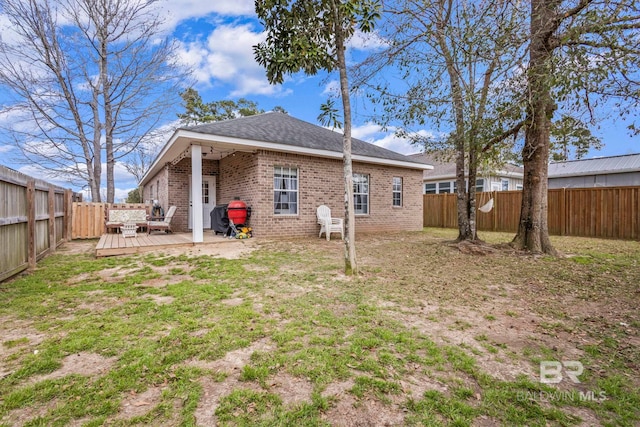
pixel 597 166
pixel 280 128
pixel 443 168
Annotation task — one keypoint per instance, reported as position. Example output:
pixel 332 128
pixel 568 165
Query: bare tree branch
pixel 92 81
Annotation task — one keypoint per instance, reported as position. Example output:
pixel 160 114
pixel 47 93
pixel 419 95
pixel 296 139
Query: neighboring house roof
pixel 597 166
pixel 277 132
pixel 447 169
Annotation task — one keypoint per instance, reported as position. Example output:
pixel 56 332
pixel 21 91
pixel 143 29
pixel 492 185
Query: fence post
pixel 51 207
pixel 494 211
pixel 31 223
pixel 68 214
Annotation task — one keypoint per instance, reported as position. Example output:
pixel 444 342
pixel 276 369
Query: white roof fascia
pixel 271 146
pixel 509 174
pixel 494 175
pixel 594 172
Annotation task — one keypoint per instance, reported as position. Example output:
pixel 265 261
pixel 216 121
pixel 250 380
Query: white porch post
pixel 196 193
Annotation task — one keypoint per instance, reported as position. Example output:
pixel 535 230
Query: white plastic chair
pixel 164 225
pixel 129 229
pixel 329 225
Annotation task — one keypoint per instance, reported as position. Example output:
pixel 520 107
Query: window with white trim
pixel 205 192
pixel 285 190
pixel 479 185
pixel 430 188
pixel 361 193
pixel 397 191
pixel 505 184
pixel 444 187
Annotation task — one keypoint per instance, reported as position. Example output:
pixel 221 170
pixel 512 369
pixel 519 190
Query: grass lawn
pixel 426 335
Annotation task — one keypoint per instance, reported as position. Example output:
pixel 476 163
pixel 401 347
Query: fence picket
pixel 609 212
pixel 28 217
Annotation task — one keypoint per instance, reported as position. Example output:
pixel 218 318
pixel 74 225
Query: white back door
pixel 208 200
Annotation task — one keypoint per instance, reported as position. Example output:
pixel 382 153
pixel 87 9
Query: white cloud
pixel 176 11
pixel 120 194
pixel 373 133
pixel 39 172
pixel 367 131
pixel 44 148
pixel 6 148
pixel 366 41
pixel 120 174
pixel 399 145
pixel 7 30
pixel 332 88
pixel 227 57
pixel 122 178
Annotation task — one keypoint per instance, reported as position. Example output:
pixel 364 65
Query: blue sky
pixel 216 39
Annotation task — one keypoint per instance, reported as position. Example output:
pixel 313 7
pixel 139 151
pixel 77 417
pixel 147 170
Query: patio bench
pixel 118 217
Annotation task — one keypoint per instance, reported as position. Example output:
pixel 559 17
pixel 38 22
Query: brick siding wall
pixel 249 176
pixel 160 186
pixel 320 182
pixel 239 178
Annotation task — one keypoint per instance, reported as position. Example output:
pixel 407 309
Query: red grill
pixel 238 212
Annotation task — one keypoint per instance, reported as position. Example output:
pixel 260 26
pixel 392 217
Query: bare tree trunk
pixel 471 191
pixel 533 230
pixel 461 194
pixel 95 178
pixel 457 99
pixel 350 262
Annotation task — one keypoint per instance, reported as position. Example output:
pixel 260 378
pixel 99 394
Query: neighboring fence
pixel 612 212
pixel 89 218
pixel 35 217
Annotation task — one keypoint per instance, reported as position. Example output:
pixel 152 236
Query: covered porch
pixel 116 244
pixel 196 172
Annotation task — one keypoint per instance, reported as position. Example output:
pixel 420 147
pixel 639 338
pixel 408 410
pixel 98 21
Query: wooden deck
pixel 115 244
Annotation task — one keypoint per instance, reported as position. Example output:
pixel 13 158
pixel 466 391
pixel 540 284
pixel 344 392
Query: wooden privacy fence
pixel 612 212
pixel 34 219
pixel 89 218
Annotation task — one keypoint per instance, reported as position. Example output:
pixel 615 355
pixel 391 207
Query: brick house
pixel 283 168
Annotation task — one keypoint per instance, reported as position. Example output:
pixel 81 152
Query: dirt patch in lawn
pixel 22 416
pixel 229 249
pixel 234 360
pixel 230 365
pixel 86 364
pixel 75 247
pixel 161 299
pixel 18 338
pixel 350 411
pixel 137 404
pixel 292 390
